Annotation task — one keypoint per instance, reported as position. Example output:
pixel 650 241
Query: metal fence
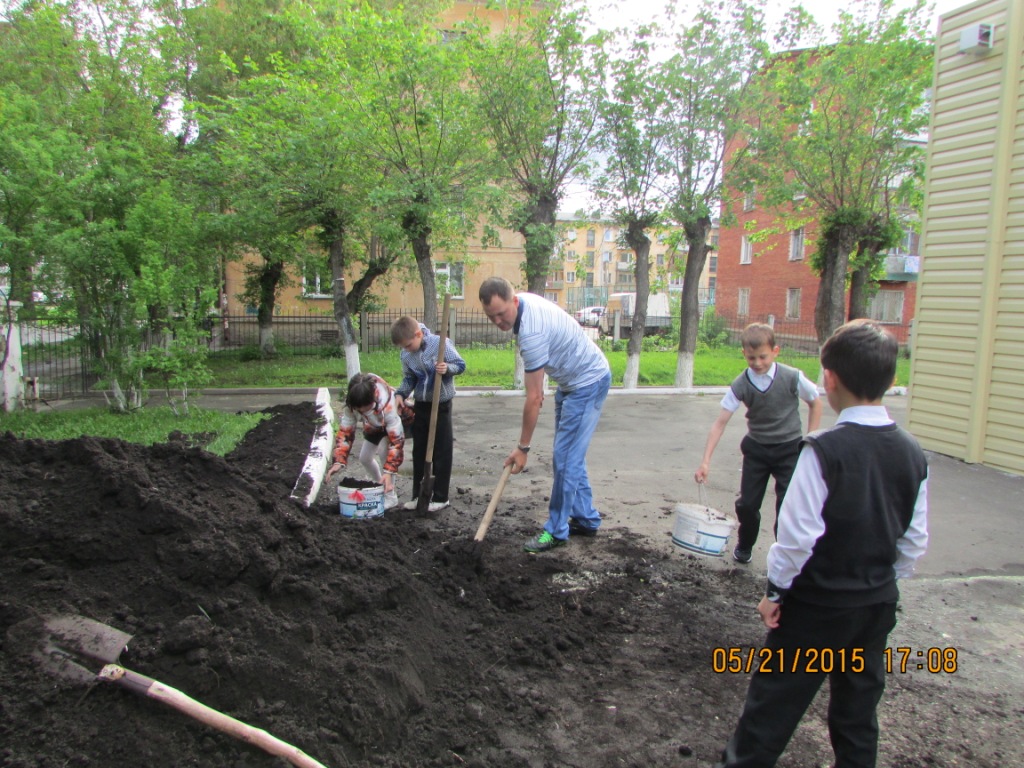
pixel 795 335
pixel 311 333
pixel 57 365
pixel 55 361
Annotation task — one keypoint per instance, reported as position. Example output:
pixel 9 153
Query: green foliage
pixel 713 331
pixel 181 365
pixel 217 432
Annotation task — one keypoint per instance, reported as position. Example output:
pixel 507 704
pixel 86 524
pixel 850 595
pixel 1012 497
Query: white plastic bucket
pixel 360 499
pixel 701 529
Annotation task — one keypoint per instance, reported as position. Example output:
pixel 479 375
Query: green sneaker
pixel 542 542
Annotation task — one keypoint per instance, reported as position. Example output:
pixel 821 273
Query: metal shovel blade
pixel 72 646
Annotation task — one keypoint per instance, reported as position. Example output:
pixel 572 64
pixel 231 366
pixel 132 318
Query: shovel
pixel 495 498
pixel 427 482
pixel 67 645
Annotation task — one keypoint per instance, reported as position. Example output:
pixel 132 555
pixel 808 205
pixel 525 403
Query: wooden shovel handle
pixel 437 379
pixel 495 498
pixel 153 689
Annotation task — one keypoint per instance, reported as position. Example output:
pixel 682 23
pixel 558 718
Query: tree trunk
pixel 641 245
pixel 538 229
pixel 830 307
pixel 697 250
pixel 269 277
pixel 377 265
pixel 860 283
pixel 418 231
pixel 342 313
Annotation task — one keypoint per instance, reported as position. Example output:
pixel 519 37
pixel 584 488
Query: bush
pixel 712 332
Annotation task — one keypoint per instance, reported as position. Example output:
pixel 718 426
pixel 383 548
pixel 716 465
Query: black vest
pixel 873 475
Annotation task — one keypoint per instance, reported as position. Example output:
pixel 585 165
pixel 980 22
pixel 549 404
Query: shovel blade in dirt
pixel 73 646
pixel 68 645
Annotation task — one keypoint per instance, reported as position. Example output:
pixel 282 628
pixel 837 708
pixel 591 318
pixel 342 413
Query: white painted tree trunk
pixel 12 376
pixel 684 370
pixel 632 374
pixel 351 359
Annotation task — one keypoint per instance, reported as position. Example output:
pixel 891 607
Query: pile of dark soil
pixel 392 642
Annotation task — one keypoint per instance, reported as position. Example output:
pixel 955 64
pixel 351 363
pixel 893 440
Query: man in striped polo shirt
pixel 551 342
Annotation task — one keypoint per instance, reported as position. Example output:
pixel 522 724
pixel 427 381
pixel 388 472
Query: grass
pixel 217 432
pixel 491 367
pixel 220 432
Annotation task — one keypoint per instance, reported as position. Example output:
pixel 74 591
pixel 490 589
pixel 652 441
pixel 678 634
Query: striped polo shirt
pixel 551 339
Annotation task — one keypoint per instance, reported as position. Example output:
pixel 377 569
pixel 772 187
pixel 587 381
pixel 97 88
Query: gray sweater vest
pixel 773 416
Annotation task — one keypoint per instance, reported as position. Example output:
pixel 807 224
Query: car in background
pixel 589 316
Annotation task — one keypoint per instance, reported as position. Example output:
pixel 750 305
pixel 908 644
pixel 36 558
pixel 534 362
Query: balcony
pixel 554 285
pixel 556 264
pixel 902 268
pixel 623 266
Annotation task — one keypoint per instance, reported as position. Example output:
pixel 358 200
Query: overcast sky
pixel 616 13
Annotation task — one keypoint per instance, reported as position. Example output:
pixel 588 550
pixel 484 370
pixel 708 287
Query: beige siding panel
pixel 939 337
pixel 939 178
pixel 963 142
pixel 945 238
pixel 1005 391
pixel 1004 454
pixel 943 192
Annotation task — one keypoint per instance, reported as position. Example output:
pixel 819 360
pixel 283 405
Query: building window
pixel 590 259
pixel 590 279
pixel 746 251
pixel 748 200
pixel 316 278
pixel 793 304
pixel 713 263
pixel 591 238
pixel 449 278
pixel 743 302
pixel 660 259
pixel 796 245
pixel 606 256
pixel 886 307
pixel 610 235
pixel 571 255
pixel 570 234
pixel 551 296
pixel 570 277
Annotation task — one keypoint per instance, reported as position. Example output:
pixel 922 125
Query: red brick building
pixel 768 278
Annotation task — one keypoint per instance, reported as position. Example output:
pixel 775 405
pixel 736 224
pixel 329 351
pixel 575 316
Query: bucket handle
pixel 702 495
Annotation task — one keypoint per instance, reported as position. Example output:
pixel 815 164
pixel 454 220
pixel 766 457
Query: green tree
pixel 540 83
pixel 704 82
pixel 836 124
pixel 415 118
pixel 634 117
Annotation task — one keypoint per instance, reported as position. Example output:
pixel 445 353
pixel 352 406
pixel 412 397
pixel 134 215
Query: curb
pixel 307 486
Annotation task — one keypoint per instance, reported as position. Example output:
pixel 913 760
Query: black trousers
pixel 776 700
pixel 441 468
pixel 760 463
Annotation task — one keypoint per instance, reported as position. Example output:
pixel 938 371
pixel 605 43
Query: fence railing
pixel 795 335
pixel 57 365
pixel 311 333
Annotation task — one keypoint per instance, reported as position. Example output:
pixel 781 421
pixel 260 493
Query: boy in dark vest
pixel 772 393
pixel 853 522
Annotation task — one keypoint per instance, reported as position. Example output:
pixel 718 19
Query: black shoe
pixel 576 528
pixel 742 555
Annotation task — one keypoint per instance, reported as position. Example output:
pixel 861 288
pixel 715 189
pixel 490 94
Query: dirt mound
pixel 392 642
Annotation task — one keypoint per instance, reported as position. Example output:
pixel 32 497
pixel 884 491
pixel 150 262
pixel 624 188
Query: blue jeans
pixel 576 417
